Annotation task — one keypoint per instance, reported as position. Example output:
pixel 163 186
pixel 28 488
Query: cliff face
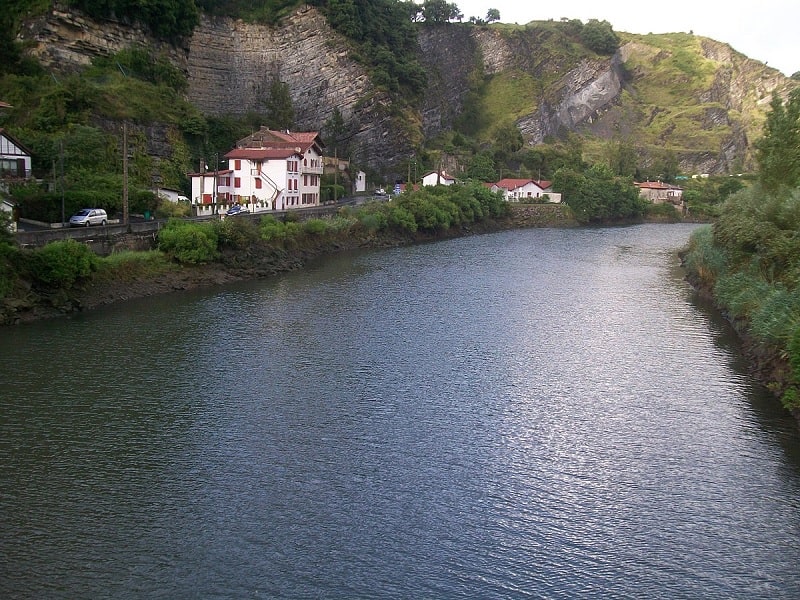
pixel 230 65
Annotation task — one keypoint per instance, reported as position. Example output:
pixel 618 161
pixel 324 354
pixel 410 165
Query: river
pixel 543 413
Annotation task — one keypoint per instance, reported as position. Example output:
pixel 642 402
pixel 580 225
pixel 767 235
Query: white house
pixel 268 170
pixel 15 159
pixel 526 190
pixel 436 178
pixel 360 182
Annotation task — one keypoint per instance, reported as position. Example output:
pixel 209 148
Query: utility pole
pixel 61 165
pixel 216 173
pixel 125 173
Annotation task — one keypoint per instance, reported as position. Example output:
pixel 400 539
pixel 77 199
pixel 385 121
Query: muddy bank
pixel 257 262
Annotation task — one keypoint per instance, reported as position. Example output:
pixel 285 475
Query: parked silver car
pixel 88 216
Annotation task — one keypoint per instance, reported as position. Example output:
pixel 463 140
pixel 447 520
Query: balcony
pixel 315 168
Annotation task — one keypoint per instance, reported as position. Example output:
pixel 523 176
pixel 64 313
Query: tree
pixel 597 195
pixel 335 132
pixel 278 105
pixel 621 157
pixel 440 11
pixel 778 151
pixel 482 168
pixel 599 37
pixel 492 15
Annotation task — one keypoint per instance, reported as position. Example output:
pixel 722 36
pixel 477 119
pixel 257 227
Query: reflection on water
pixel 539 413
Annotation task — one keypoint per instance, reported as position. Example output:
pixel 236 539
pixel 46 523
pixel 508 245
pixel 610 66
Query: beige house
pixel 658 192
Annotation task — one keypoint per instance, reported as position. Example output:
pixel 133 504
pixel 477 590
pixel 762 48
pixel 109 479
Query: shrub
pixel 315 226
pixel 271 229
pixel 741 294
pixel 704 259
pixel 191 243
pixel 373 221
pixel 776 316
pixel 402 218
pixel 236 233
pixel 62 263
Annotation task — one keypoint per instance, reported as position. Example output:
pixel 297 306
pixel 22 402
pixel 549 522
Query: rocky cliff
pixel 230 65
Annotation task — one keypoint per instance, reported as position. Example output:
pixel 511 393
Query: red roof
pixel 513 184
pixel 261 153
pixel 270 138
pixel 656 185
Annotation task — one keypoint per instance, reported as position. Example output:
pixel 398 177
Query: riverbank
pixel 258 262
pixel 767 364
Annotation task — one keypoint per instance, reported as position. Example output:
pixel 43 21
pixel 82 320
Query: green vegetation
pixel 167 19
pixel 58 267
pixel 750 257
pixel 596 195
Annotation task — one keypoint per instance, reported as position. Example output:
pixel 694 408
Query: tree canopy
pixel 778 151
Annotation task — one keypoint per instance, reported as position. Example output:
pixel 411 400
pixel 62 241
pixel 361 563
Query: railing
pixel 108 232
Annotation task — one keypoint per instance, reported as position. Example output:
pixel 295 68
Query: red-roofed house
pixel 526 190
pixel 658 192
pixel 268 170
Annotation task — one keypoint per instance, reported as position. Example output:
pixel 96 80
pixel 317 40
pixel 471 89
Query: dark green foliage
pixel 439 11
pixel 167 19
pixel 236 233
pixel 596 195
pixel 482 168
pixel 192 243
pixel 142 63
pixel 315 226
pixel 278 106
pixel 758 227
pixel 778 151
pixel 599 37
pixel 385 39
pixel 268 12
pixel 60 264
pixel 704 260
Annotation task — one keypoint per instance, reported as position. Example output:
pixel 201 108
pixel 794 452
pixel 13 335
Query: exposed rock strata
pixel 230 65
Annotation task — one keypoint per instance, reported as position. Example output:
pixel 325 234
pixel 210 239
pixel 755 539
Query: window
pixel 237 164
pixel 258 184
pixel 237 182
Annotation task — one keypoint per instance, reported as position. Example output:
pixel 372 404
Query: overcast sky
pixel 766 31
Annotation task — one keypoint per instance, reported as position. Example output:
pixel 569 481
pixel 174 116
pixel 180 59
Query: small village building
pixel 268 170
pixel 437 178
pixel 15 159
pixel 658 192
pixel 526 190
pixel 360 182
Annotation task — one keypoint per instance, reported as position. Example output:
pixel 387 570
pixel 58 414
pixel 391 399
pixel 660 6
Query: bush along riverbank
pixel 748 265
pixel 65 277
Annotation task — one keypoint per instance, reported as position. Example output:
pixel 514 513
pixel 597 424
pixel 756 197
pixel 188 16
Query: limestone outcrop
pixel 230 65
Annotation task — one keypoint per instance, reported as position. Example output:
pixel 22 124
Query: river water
pixel 541 413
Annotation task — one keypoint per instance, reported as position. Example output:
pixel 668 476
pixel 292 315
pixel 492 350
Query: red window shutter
pixel 237 182
pixel 238 164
